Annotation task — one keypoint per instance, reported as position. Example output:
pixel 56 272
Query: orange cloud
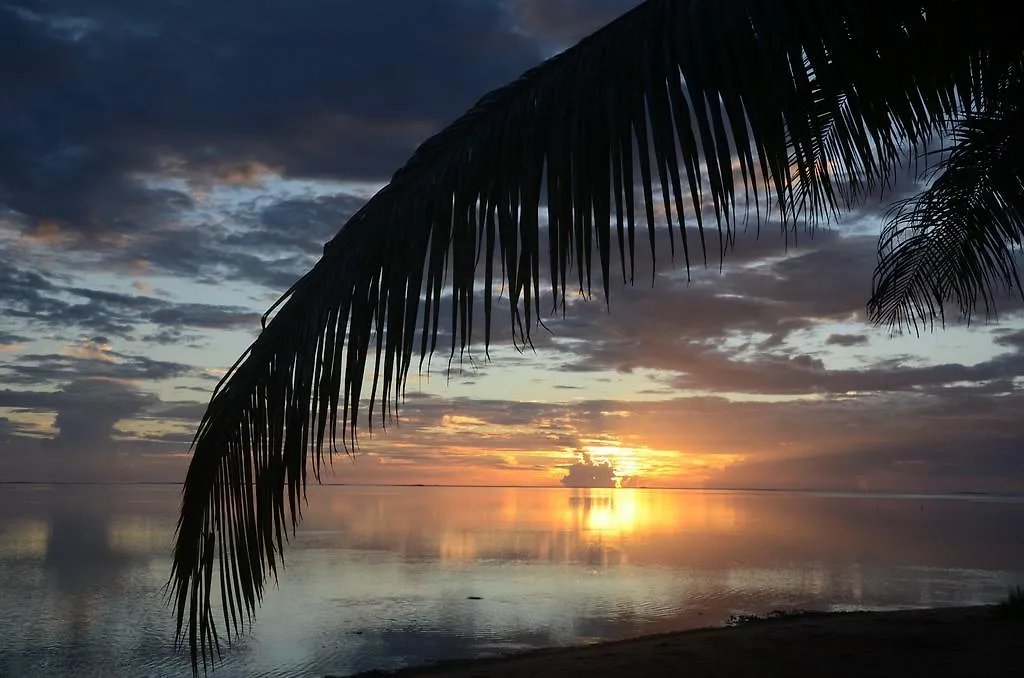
pixel 248 174
pixel 91 350
pixel 49 232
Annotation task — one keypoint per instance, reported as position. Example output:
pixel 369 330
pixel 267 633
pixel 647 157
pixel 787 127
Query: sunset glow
pixel 135 272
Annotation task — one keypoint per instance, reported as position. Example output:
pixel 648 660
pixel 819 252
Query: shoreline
pixel 973 642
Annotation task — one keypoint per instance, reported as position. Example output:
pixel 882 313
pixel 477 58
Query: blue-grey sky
pixel 167 169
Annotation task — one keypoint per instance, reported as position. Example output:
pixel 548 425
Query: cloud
pixel 838 339
pixel 298 225
pixel 9 340
pixel 91 362
pixel 878 442
pixel 564 22
pixel 142 88
pixel 749 330
pixel 25 291
pixel 83 443
pixel 167 170
pixel 28 297
pixel 88 409
pixel 953 464
pixel 269 245
pixel 585 472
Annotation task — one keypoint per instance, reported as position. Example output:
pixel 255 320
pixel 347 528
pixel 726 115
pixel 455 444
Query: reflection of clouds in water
pixel 79 553
pixel 79 591
pixel 86 536
pixel 381 576
pixel 82 564
pixel 67 528
pixel 588 501
pixel 579 526
pixel 706 529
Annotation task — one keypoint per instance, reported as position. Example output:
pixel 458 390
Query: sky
pixel 169 168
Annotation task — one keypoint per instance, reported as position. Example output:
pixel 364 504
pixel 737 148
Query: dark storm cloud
pixel 97 91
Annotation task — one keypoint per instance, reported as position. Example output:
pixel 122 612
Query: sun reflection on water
pixel 381 572
pixel 551 525
pixel 611 511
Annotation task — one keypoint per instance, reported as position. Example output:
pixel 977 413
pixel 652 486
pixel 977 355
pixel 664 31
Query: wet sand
pixel 972 642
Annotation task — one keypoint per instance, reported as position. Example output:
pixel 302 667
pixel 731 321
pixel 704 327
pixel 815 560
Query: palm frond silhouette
pixel 680 111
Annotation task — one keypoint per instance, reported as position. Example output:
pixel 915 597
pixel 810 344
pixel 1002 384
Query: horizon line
pixel 680 488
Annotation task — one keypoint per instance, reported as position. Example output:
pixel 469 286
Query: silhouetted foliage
pixel 794 109
pixel 1013 606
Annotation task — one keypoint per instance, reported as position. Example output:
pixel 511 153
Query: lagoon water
pixel 381 577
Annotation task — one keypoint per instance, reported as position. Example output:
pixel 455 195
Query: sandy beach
pixel 973 642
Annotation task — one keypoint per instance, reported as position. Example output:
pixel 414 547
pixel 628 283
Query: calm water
pixel 382 577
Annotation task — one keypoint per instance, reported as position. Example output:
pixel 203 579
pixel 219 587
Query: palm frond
pixel 797 107
pixel 957 242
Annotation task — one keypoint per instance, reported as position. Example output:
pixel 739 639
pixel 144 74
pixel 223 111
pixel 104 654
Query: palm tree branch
pixel 957 242
pixel 809 98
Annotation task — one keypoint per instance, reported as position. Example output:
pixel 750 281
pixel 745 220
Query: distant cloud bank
pixel 588 473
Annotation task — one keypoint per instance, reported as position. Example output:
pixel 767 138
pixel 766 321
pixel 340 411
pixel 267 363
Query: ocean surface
pixel 381 577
